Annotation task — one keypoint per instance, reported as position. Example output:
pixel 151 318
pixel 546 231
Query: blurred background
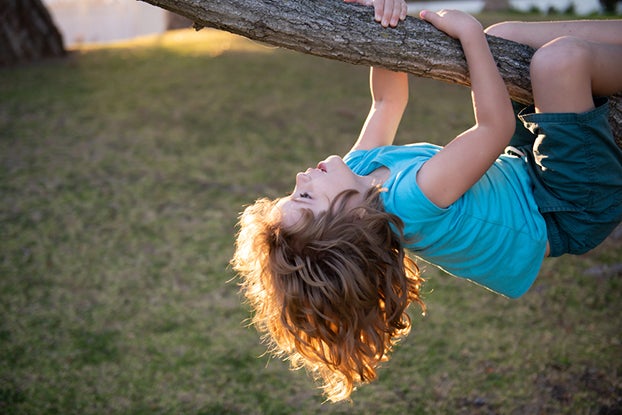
pixel 88 21
pixel 126 154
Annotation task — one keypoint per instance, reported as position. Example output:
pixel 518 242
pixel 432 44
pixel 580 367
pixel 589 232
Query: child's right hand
pixel 387 12
pixel 453 22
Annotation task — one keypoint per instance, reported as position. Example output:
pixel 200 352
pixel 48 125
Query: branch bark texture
pixel 347 32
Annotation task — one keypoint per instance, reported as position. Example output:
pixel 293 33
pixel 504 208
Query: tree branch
pixel 347 32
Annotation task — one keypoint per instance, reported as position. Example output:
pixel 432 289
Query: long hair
pixel 329 293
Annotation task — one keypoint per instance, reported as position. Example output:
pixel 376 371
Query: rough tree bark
pixel 347 32
pixel 27 32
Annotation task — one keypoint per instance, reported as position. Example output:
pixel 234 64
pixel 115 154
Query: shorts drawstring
pixel 513 151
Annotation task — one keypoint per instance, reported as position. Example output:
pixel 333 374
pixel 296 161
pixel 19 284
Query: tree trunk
pixel 609 6
pixel 27 32
pixel 347 32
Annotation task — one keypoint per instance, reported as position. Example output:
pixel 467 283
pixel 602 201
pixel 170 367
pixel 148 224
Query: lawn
pixel 122 172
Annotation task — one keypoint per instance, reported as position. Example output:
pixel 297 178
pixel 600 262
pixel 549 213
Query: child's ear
pixel 359 212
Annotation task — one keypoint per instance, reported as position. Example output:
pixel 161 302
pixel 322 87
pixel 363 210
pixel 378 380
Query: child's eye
pixel 305 195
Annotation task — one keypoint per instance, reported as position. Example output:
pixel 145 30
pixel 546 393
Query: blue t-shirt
pixel 493 235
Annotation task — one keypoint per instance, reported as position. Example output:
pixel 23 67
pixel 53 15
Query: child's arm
pixel 536 34
pixel 453 170
pixel 389 91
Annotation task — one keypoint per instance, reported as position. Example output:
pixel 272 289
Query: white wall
pixel 580 6
pixel 93 21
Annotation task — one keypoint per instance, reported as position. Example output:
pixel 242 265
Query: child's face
pixel 316 188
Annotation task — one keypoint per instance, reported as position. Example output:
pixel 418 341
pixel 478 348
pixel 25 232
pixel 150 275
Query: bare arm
pixel 452 171
pixel 389 91
pixel 536 34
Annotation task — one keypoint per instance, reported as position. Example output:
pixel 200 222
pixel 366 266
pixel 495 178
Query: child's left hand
pixel 453 22
pixel 387 12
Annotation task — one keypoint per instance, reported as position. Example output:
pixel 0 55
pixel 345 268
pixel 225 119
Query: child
pixel 325 268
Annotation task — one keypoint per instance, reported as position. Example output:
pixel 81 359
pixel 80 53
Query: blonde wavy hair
pixel 329 293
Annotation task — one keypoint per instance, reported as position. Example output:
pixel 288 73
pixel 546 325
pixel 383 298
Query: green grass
pixel 122 173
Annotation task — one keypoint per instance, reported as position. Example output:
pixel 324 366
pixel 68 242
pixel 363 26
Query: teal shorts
pixel 576 169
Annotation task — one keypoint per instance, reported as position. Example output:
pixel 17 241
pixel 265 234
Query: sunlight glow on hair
pixel 329 293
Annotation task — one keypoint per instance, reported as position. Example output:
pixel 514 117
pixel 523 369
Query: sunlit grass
pixel 205 42
pixel 123 169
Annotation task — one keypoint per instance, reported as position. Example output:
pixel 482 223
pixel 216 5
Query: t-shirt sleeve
pixel 408 201
pixel 355 161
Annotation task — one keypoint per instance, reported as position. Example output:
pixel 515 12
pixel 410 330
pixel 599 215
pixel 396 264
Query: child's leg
pixel 567 72
pixel 576 166
pixel 537 34
pixel 552 62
